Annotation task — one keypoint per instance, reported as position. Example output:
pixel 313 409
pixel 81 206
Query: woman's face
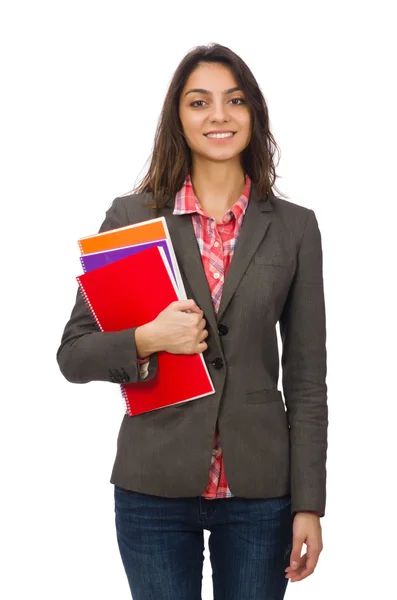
pixel 216 106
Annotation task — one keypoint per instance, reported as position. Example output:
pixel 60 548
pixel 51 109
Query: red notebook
pixel 131 292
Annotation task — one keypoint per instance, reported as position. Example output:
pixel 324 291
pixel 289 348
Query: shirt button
pixel 216 275
pixel 216 244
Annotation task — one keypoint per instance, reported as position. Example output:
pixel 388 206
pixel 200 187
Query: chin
pixel 218 156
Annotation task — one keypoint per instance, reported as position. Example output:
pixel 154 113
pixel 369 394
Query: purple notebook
pixel 96 260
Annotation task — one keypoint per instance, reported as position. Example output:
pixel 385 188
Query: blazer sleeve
pixel 303 335
pixel 87 354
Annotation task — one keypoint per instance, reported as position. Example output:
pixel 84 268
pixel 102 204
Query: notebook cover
pixel 89 262
pixel 138 233
pixel 131 292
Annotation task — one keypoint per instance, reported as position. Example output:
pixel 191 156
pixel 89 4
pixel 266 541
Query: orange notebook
pixel 147 231
pixel 131 292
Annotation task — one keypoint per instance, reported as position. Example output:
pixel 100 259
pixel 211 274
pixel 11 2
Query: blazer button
pixel 125 377
pixel 223 329
pixel 218 363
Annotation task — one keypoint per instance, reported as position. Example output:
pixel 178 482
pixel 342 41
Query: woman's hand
pixel 178 329
pixel 306 530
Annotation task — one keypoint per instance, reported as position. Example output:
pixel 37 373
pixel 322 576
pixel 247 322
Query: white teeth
pixel 219 135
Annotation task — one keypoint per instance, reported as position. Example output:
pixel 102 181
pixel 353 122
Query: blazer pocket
pixel 272 261
pixel 264 396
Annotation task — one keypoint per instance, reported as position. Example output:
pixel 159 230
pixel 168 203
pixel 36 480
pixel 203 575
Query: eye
pixel 232 100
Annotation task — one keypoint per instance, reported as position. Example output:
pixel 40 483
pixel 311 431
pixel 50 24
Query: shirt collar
pixel 186 201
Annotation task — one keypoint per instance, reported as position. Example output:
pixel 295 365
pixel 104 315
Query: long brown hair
pixel 171 156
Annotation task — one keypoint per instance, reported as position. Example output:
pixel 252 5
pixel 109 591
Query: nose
pixel 219 111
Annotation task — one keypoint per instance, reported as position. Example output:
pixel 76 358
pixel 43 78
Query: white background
pixel 82 88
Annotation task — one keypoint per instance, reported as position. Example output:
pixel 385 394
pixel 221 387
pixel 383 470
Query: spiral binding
pixel 82 264
pixel 126 401
pixel 89 303
pixel 81 247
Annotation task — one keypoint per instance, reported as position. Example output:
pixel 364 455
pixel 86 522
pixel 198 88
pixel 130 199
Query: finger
pixel 196 309
pixel 310 558
pixel 301 575
pixel 202 323
pixel 301 565
pixel 313 553
pixel 199 319
pixel 186 305
pixel 296 553
pixel 203 335
pixel 303 571
pixel 201 347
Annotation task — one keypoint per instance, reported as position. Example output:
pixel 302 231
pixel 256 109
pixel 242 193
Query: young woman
pixel 240 463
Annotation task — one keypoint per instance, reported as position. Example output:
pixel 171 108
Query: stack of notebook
pixel 130 275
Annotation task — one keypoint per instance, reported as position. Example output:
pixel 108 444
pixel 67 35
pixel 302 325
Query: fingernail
pixel 294 564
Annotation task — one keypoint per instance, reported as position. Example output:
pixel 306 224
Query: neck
pixel 217 185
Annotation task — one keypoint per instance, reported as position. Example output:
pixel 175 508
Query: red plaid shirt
pixel 216 243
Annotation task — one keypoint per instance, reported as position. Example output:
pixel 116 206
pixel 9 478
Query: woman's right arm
pixel 88 354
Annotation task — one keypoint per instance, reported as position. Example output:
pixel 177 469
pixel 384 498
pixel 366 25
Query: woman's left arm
pixel 303 335
pixel 304 357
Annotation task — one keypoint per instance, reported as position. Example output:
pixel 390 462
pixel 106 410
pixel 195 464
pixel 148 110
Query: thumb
pixel 295 554
pixel 187 306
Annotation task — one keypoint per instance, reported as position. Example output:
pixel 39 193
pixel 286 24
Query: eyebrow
pixel 208 93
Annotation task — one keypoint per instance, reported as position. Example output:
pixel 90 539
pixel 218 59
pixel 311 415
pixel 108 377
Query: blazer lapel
pixel 256 222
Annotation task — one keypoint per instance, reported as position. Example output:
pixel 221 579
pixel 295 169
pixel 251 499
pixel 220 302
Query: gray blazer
pixel 271 446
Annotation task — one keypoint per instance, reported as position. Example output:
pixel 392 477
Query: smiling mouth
pixel 221 136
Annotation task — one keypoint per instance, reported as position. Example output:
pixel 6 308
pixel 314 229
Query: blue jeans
pixel 161 543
